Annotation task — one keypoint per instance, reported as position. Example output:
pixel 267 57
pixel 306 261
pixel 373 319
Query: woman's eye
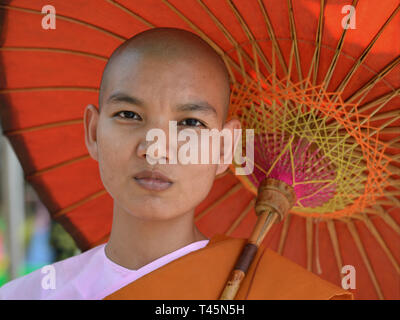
pixel 128 115
pixel 192 123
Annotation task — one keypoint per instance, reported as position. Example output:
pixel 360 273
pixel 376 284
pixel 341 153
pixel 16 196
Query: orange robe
pixel 202 274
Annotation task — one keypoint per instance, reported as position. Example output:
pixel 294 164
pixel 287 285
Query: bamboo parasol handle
pixel 275 198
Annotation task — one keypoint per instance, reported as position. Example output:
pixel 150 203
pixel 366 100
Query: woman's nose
pixel 158 144
pixel 147 150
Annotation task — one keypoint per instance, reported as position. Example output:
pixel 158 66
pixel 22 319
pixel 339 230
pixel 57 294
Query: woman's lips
pixel 153 180
pixel 153 184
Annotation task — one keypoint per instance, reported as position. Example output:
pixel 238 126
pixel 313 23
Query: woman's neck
pixel 134 242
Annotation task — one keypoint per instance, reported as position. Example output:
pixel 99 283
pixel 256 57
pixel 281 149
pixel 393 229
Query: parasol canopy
pixel 275 52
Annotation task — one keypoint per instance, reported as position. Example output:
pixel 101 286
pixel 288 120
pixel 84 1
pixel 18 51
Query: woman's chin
pixel 153 215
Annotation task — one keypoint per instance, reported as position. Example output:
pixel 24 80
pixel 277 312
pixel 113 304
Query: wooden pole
pixel 274 200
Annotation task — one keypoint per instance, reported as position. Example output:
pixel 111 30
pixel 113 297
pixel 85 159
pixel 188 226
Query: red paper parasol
pixel 50 75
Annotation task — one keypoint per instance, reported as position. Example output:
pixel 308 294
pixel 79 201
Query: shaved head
pixel 172 46
pixel 171 83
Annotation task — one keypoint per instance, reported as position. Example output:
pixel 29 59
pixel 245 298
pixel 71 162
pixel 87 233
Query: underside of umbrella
pixel 50 75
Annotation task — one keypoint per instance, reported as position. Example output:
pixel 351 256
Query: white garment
pixel 88 276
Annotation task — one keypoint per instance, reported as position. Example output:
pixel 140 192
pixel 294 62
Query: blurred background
pixel 29 239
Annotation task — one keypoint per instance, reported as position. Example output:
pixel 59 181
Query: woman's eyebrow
pixel 123 97
pixel 202 106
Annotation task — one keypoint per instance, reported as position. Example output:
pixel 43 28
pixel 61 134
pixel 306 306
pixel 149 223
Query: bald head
pixel 172 46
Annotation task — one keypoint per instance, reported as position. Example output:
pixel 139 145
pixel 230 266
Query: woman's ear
pixel 231 125
pixel 91 118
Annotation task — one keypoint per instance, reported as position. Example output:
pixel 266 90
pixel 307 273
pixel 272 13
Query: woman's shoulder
pixel 43 282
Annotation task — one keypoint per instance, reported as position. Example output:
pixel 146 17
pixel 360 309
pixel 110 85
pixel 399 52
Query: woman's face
pixel 144 93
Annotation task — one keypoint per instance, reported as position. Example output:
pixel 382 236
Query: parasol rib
pixel 364 54
pixel 57 50
pixel 271 34
pixel 385 115
pixel 241 217
pixel 226 195
pixel 293 36
pixel 69 19
pixel 393 199
pixel 371 83
pixel 358 242
pixel 249 35
pixel 380 240
pixel 284 233
pixel 317 52
pixel 135 15
pixel 43 127
pixel 382 99
pixel 57 166
pixel 388 219
pixel 317 249
pixel 208 40
pixel 335 244
pixel 309 241
pixel 226 33
pixel 338 51
pixel 49 88
pixel 95 195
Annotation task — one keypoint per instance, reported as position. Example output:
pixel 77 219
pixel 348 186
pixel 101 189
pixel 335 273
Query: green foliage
pixel 62 242
pixel 28 228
